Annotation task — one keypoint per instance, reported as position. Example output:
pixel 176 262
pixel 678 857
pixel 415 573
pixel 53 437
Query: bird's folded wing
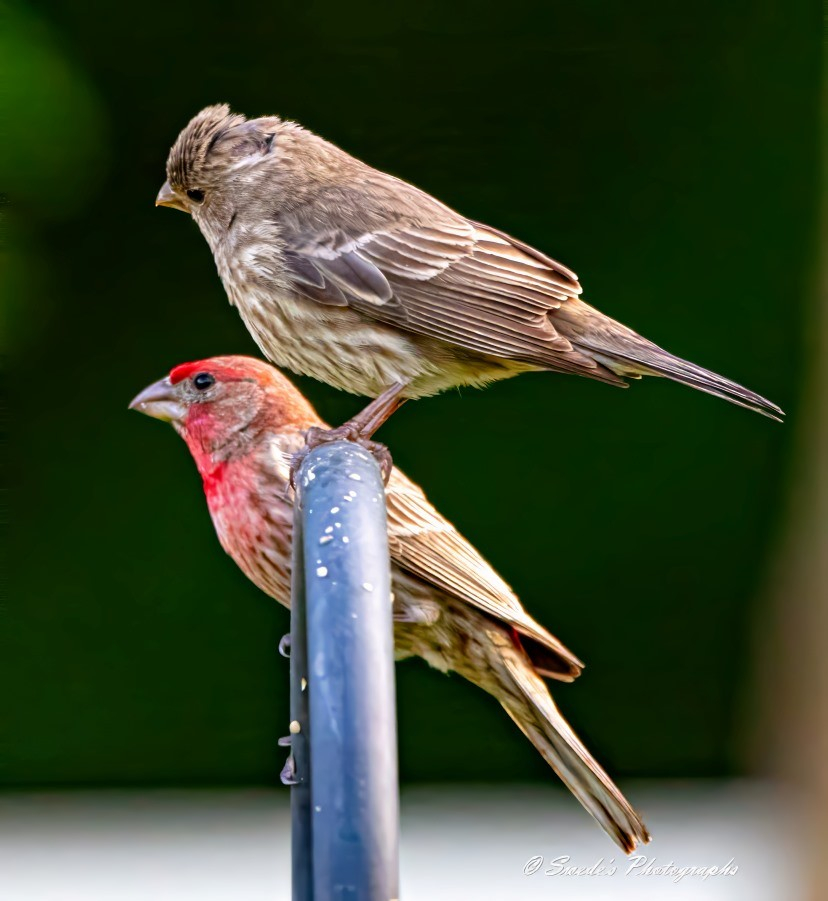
pixel 432 272
pixel 426 544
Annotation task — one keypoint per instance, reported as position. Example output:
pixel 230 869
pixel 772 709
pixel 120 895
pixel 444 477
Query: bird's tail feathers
pixel 526 699
pixel 628 354
pixel 654 361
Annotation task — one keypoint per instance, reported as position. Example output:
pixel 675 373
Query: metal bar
pixel 298 767
pixel 340 515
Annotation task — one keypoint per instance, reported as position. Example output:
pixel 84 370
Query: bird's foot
pixel 349 431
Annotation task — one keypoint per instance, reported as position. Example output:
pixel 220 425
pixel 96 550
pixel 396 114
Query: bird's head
pixel 211 159
pixel 223 405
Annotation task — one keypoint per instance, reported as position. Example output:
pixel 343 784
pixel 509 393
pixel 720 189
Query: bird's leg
pixel 358 429
pixel 379 411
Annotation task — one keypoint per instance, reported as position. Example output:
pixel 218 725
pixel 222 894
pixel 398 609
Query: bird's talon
pixel 295 465
pixel 284 645
pixel 315 437
pixel 284 741
pixel 381 454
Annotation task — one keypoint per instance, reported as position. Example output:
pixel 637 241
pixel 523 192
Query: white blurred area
pixel 457 843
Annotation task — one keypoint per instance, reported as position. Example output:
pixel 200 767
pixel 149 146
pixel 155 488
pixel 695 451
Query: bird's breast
pixel 335 345
pixel 254 524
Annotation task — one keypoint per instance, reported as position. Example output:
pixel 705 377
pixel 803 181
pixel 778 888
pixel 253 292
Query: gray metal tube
pixel 298 767
pixel 350 663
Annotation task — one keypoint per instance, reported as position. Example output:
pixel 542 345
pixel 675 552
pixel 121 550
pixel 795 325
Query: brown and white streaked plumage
pixel 243 422
pixel 356 278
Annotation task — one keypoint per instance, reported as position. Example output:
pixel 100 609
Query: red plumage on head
pixel 233 368
pixel 185 370
pixel 285 405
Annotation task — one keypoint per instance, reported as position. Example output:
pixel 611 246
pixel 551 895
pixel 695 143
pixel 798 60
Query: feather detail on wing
pixel 451 279
pixel 427 545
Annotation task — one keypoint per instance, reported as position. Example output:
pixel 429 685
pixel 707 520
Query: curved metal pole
pixel 345 805
pixel 297 770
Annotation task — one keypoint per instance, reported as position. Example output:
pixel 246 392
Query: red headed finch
pixel 356 278
pixel 243 422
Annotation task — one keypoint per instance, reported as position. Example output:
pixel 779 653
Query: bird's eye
pixel 196 195
pixel 203 381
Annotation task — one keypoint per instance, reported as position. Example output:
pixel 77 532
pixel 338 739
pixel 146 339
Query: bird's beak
pixel 168 197
pixel 160 400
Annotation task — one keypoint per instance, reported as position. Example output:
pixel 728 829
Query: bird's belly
pixel 332 344
pixel 346 350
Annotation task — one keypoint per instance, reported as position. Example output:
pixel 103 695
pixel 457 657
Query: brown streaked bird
pixel 243 422
pixel 356 278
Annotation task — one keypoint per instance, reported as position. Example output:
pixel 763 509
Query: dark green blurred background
pixel 668 153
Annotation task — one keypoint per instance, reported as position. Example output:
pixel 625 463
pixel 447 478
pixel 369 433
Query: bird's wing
pixel 403 258
pixel 426 544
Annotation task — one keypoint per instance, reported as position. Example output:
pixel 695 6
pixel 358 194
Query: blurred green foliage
pixel 52 157
pixel 53 145
pixel 668 153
